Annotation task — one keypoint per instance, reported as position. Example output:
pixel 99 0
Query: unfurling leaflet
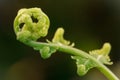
pixel 85 64
pixel 102 54
pixel 59 38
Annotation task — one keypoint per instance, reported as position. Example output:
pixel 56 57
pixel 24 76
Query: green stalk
pixel 77 52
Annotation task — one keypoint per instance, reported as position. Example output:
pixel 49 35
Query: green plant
pixel 32 24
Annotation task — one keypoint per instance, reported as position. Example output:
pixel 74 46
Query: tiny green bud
pixel 31 24
pixel 81 70
pixel 45 52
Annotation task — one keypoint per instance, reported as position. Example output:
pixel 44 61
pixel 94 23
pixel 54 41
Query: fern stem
pixel 74 51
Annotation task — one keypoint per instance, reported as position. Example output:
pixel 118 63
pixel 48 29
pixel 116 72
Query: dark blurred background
pixel 88 23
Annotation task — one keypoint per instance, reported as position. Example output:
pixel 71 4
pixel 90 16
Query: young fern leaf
pixel 83 65
pixel 102 54
pixel 59 39
pixel 32 24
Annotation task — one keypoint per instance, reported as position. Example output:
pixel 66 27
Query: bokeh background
pixel 88 23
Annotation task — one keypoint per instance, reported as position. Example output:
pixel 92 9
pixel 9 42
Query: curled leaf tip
pixel 102 54
pixel 58 37
pixel 106 48
pixel 31 24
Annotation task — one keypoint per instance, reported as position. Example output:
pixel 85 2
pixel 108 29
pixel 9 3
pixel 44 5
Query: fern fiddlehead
pixel 32 24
